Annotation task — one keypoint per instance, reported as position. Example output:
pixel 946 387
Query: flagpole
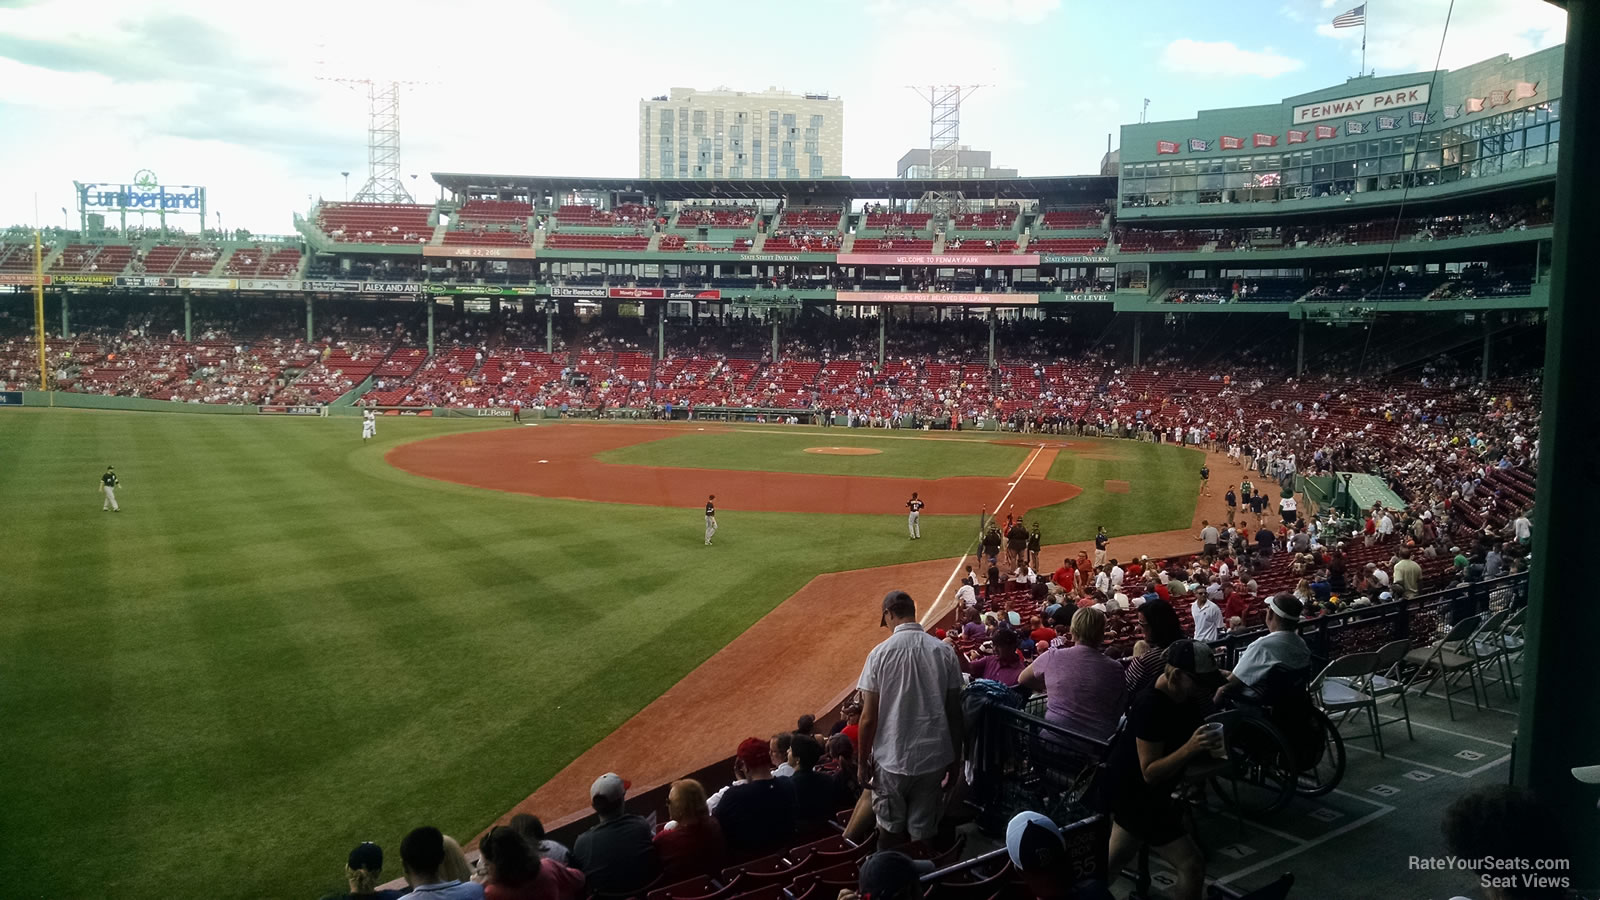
pixel 1363 42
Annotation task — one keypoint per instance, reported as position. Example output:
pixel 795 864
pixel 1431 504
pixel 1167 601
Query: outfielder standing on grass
pixel 108 488
pixel 914 517
pixel 711 518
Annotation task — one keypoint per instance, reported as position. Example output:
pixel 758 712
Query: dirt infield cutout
pixel 1114 486
pixel 843 451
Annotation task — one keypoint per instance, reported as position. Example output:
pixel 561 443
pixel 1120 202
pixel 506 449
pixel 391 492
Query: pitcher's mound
pixel 843 451
pixel 1116 487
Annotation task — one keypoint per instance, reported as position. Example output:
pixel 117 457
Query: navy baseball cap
pixel 892 875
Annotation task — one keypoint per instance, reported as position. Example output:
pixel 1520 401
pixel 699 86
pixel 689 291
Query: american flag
pixel 1351 19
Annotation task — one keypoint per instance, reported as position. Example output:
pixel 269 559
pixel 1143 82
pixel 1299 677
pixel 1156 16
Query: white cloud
pixel 1404 37
pixel 1225 59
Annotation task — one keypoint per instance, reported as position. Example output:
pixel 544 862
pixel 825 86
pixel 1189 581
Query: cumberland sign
pixel 1361 104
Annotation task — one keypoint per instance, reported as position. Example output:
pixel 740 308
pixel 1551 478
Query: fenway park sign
pixel 1361 104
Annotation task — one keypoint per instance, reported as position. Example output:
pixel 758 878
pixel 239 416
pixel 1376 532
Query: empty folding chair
pixel 1449 659
pixel 1386 681
pixel 1485 647
pixel 1341 689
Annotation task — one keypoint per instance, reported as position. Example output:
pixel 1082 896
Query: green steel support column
pixel 661 329
pixel 188 318
pixel 1557 728
pixel 1138 333
pixel 311 325
pixel 1484 374
pixel 1300 352
pixel 883 333
pixel 431 305
pixel 550 328
pixel 66 327
pixel 992 315
pixel 774 340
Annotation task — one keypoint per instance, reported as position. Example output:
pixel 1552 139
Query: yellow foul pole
pixel 38 307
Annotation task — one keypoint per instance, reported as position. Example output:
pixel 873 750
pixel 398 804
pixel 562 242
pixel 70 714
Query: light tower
pixel 383 183
pixel 944 141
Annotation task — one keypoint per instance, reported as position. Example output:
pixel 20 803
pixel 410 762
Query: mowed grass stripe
pixel 785 452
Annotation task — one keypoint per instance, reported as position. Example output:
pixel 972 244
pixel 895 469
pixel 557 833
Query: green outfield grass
pixel 1163 484
pixel 283 646
pixel 901 456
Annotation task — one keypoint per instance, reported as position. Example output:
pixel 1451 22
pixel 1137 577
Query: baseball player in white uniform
pixel 711 518
pixel 369 426
pixel 914 516
pixel 108 489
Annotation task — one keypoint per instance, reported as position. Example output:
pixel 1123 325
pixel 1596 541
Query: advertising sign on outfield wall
pixel 147 281
pixel 268 284
pixel 210 284
pixel 291 411
pixel 331 287
pixel 570 293
pixel 914 298
pixel 87 280
pixel 10 398
pixel 482 290
pixel 13 278
pixel 391 287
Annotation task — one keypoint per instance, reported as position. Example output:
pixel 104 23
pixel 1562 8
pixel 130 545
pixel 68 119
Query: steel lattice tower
pixel 944 142
pixel 383 184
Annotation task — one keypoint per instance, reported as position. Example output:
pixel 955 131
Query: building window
pixel 816 167
pixel 788 120
pixel 816 123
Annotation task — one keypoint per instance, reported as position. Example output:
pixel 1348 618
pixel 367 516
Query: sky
pixel 240 97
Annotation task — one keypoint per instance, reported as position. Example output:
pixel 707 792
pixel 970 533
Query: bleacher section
pixel 106 259
pixel 283 262
pixel 375 223
pixel 480 211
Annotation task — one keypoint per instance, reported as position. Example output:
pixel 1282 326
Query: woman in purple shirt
pixel 1005 666
pixel 1085 690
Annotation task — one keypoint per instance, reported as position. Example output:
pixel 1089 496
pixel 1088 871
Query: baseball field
pixel 289 641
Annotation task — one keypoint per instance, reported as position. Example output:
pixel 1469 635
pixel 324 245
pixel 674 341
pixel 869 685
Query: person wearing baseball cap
pixel 1281 652
pixel 911 726
pixel 891 875
pixel 364 871
pixel 1166 731
pixel 618 854
pixel 759 814
pixel 1039 854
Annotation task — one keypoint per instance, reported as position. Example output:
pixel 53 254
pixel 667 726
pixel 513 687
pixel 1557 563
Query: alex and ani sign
pixel 1359 104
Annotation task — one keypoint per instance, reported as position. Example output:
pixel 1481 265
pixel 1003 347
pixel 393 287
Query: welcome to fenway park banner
pixel 942 260
pixel 922 299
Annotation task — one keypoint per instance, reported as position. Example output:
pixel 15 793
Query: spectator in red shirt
pixel 694 844
pixel 1039 631
pixel 1063 576
pixel 1235 606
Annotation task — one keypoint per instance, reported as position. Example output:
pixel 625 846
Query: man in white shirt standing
pixel 1522 529
pixel 1117 574
pixel 1207 618
pixel 911 725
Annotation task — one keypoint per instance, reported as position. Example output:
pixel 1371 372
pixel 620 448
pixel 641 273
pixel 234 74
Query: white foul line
pixel 968 552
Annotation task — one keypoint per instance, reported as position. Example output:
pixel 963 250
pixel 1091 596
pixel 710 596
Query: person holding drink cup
pixel 1166 731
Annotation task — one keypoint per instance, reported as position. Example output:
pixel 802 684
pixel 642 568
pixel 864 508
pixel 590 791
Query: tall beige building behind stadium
pixel 741 134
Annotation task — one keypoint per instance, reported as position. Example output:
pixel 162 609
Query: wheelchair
pixel 1278 745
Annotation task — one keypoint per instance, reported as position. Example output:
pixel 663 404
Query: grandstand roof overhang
pixel 1084 188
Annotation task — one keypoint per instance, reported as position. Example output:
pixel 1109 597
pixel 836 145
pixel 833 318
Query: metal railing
pixel 1366 628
